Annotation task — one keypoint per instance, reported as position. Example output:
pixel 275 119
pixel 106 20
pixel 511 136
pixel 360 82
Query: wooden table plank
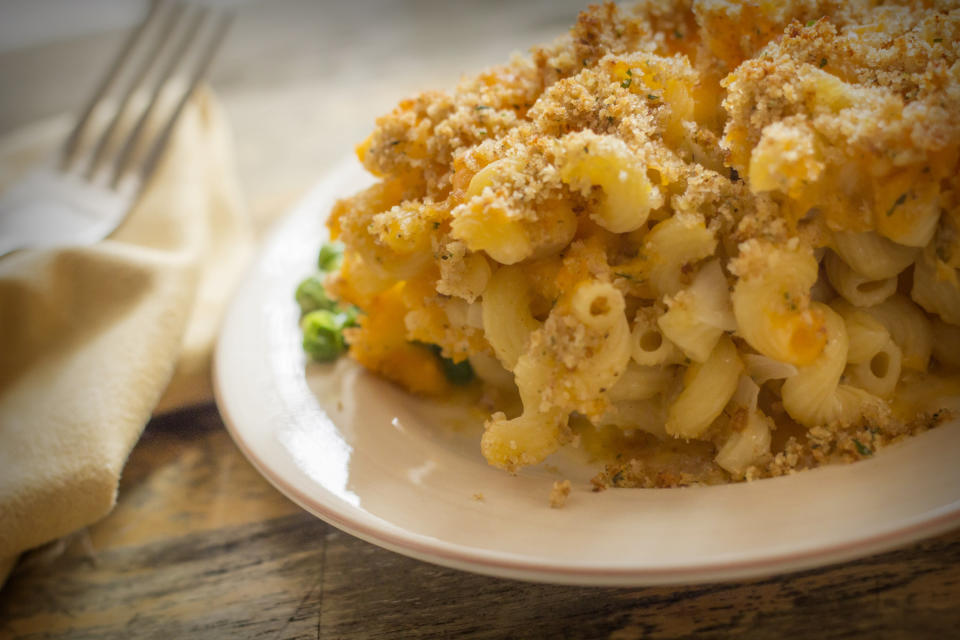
pixel 908 593
pixel 201 546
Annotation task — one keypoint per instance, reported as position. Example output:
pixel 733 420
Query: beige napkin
pixel 94 340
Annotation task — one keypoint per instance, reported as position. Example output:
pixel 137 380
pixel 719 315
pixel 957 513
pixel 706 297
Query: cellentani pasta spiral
pixel 713 241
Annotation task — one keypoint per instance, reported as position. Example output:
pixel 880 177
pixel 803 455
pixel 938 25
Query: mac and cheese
pixel 712 241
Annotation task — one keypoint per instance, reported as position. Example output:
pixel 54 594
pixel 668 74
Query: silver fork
pixel 88 189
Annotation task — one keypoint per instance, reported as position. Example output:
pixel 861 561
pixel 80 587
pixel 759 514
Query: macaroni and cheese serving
pixel 706 241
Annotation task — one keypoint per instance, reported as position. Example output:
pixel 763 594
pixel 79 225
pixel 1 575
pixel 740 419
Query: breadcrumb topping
pixel 766 125
pixel 559 493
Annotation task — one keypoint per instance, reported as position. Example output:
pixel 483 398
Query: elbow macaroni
pixel 673 243
pixel 507 320
pixel 606 162
pixel 751 443
pixel 649 346
pixel 624 241
pixel 700 314
pixel 771 302
pixel 707 389
pixel 909 327
pixel 871 255
pixel 936 287
pixel 814 396
pixel 856 289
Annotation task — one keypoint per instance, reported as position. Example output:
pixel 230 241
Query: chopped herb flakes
pixel 863 449
pixel 823 62
pixel 899 201
pixel 789 300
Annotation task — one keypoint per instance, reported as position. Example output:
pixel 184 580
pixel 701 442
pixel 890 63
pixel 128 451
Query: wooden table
pixel 200 546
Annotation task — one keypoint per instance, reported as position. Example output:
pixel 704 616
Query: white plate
pixel 407 475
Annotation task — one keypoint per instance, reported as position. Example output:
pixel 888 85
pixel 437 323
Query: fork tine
pixel 176 85
pixel 106 85
pixel 128 161
pixel 160 50
pixel 111 109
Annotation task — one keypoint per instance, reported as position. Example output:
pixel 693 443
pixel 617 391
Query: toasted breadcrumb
pixel 768 124
pixel 559 493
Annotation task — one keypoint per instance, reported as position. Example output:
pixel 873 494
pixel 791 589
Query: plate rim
pixel 504 564
pixel 507 565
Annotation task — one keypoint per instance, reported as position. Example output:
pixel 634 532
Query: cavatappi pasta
pixel 711 240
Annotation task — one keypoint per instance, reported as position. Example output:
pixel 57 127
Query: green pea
pixel 458 373
pixel 323 334
pixel 311 296
pixel 330 257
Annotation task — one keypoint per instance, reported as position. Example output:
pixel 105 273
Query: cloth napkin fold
pixel 94 340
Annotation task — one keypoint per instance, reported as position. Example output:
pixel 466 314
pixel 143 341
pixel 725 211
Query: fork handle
pixel 50 209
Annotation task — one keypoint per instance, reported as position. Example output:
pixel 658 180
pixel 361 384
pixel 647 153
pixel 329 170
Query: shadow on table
pixel 200 545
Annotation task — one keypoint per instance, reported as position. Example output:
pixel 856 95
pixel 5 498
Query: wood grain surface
pixel 200 546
